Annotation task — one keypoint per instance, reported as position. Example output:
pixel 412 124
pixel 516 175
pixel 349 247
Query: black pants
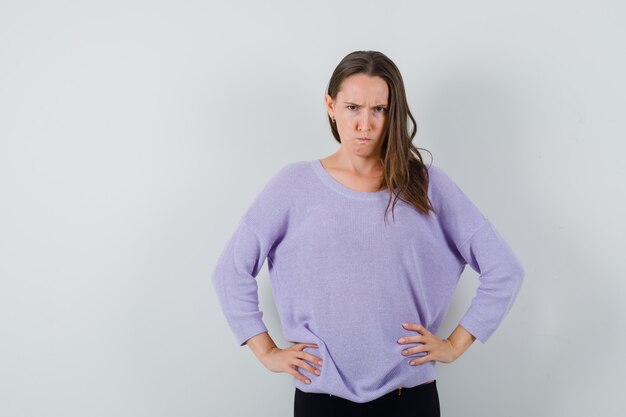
pixel 419 401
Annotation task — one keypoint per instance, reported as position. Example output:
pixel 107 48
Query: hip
pixel 401 402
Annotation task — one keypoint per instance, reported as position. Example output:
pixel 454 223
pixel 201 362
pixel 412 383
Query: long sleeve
pixel 234 280
pixel 501 277
pixel 477 243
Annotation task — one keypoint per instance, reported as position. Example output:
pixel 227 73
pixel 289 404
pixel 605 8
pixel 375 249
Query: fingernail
pixel 308 381
pixel 405 324
pixel 317 371
pixel 320 362
pixel 401 340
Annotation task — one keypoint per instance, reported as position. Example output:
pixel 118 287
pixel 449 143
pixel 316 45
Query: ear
pixel 330 105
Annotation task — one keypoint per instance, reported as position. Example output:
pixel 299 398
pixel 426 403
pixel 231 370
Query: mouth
pixel 363 139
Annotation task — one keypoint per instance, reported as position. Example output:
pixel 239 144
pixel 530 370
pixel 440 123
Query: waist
pixel 415 390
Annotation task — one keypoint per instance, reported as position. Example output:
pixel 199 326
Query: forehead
pixel 362 87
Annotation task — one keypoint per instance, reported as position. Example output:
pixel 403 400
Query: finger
pixel 291 370
pixel 408 352
pixel 311 358
pixel 301 346
pixel 416 326
pixel 411 326
pixel 305 365
pixel 423 332
pixel 411 339
pixel 414 350
pixel 419 361
pixel 298 346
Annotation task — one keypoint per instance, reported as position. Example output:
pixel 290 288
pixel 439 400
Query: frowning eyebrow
pixel 358 105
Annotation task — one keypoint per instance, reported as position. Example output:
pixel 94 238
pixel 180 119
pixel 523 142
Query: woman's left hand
pixel 438 349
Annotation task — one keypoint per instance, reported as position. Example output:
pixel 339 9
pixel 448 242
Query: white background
pixel 134 134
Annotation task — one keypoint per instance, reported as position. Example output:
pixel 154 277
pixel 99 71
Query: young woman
pixel 361 294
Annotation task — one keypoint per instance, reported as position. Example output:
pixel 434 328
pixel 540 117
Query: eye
pixel 351 105
pixel 380 109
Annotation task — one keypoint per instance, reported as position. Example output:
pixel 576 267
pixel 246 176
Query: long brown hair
pixel 402 162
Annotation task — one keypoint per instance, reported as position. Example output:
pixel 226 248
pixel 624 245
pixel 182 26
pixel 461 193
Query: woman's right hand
pixel 288 359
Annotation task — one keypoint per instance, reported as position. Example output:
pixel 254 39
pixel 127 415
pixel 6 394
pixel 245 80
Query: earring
pixel 334 121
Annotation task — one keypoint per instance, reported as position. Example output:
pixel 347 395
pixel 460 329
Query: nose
pixel 364 122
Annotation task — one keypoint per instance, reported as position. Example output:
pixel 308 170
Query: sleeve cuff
pixel 248 330
pixel 476 328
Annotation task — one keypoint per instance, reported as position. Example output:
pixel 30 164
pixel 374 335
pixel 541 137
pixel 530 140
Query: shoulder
pixel 455 207
pixel 439 183
pixel 290 169
pixel 437 176
pixel 445 192
pixel 276 197
pixel 286 177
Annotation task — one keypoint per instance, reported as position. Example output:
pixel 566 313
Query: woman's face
pixel 360 110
